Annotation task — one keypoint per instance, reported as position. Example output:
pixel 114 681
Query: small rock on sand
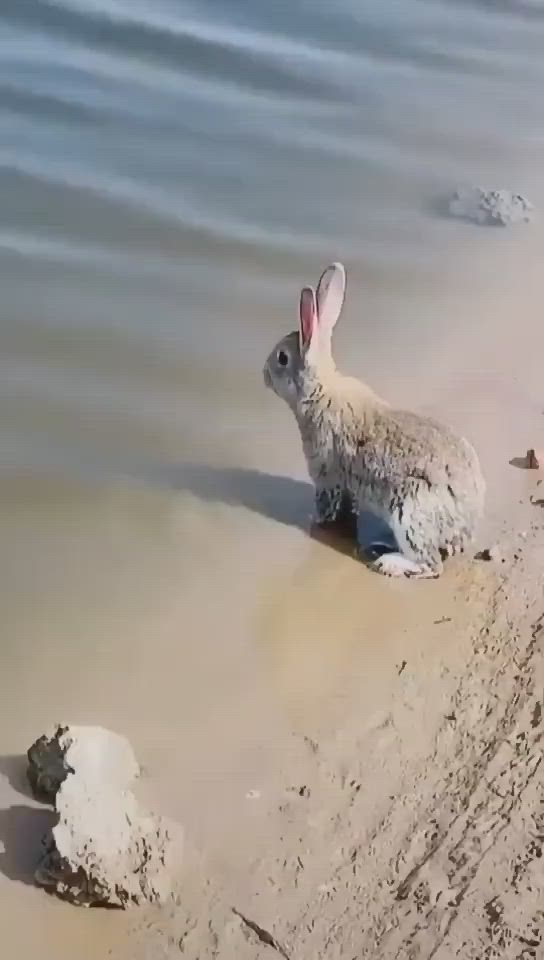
pixel 534 459
pixel 97 755
pixel 490 207
pixel 488 554
pixel 536 500
pixel 106 850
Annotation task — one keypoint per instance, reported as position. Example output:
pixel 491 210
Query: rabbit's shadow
pixel 283 499
pixel 280 498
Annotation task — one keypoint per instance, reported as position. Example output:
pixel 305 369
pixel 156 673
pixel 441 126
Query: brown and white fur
pixel 410 471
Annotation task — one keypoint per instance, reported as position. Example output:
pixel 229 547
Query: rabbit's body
pixel 416 475
pixel 412 472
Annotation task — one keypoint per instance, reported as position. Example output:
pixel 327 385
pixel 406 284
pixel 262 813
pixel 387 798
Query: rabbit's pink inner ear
pixel 308 315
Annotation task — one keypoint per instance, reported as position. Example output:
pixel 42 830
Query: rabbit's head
pixel 306 353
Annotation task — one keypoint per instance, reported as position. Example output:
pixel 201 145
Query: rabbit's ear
pixel 308 316
pixel 331 290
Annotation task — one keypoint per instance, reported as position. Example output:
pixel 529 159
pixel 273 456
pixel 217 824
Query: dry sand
pixel 358 762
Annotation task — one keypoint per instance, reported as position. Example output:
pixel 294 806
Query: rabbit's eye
pixel 283 359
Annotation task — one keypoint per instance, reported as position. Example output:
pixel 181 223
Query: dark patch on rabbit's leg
pixel 374 535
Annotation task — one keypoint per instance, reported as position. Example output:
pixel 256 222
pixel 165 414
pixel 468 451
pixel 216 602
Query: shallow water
pixel 171 173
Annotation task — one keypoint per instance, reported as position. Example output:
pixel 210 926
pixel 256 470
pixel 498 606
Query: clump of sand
pixel 104 848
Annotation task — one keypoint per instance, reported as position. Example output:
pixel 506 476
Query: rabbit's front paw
pixel 328 504
pixel 335 513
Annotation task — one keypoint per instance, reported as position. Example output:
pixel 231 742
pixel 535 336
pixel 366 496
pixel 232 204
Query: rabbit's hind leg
pixel 384 555
pixel 398 565
pixel 418 547
pixel 415 554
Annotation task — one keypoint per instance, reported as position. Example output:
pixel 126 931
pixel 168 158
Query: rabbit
pixel 409 471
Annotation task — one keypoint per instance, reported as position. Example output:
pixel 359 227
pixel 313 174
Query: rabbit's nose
pixel 266 377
